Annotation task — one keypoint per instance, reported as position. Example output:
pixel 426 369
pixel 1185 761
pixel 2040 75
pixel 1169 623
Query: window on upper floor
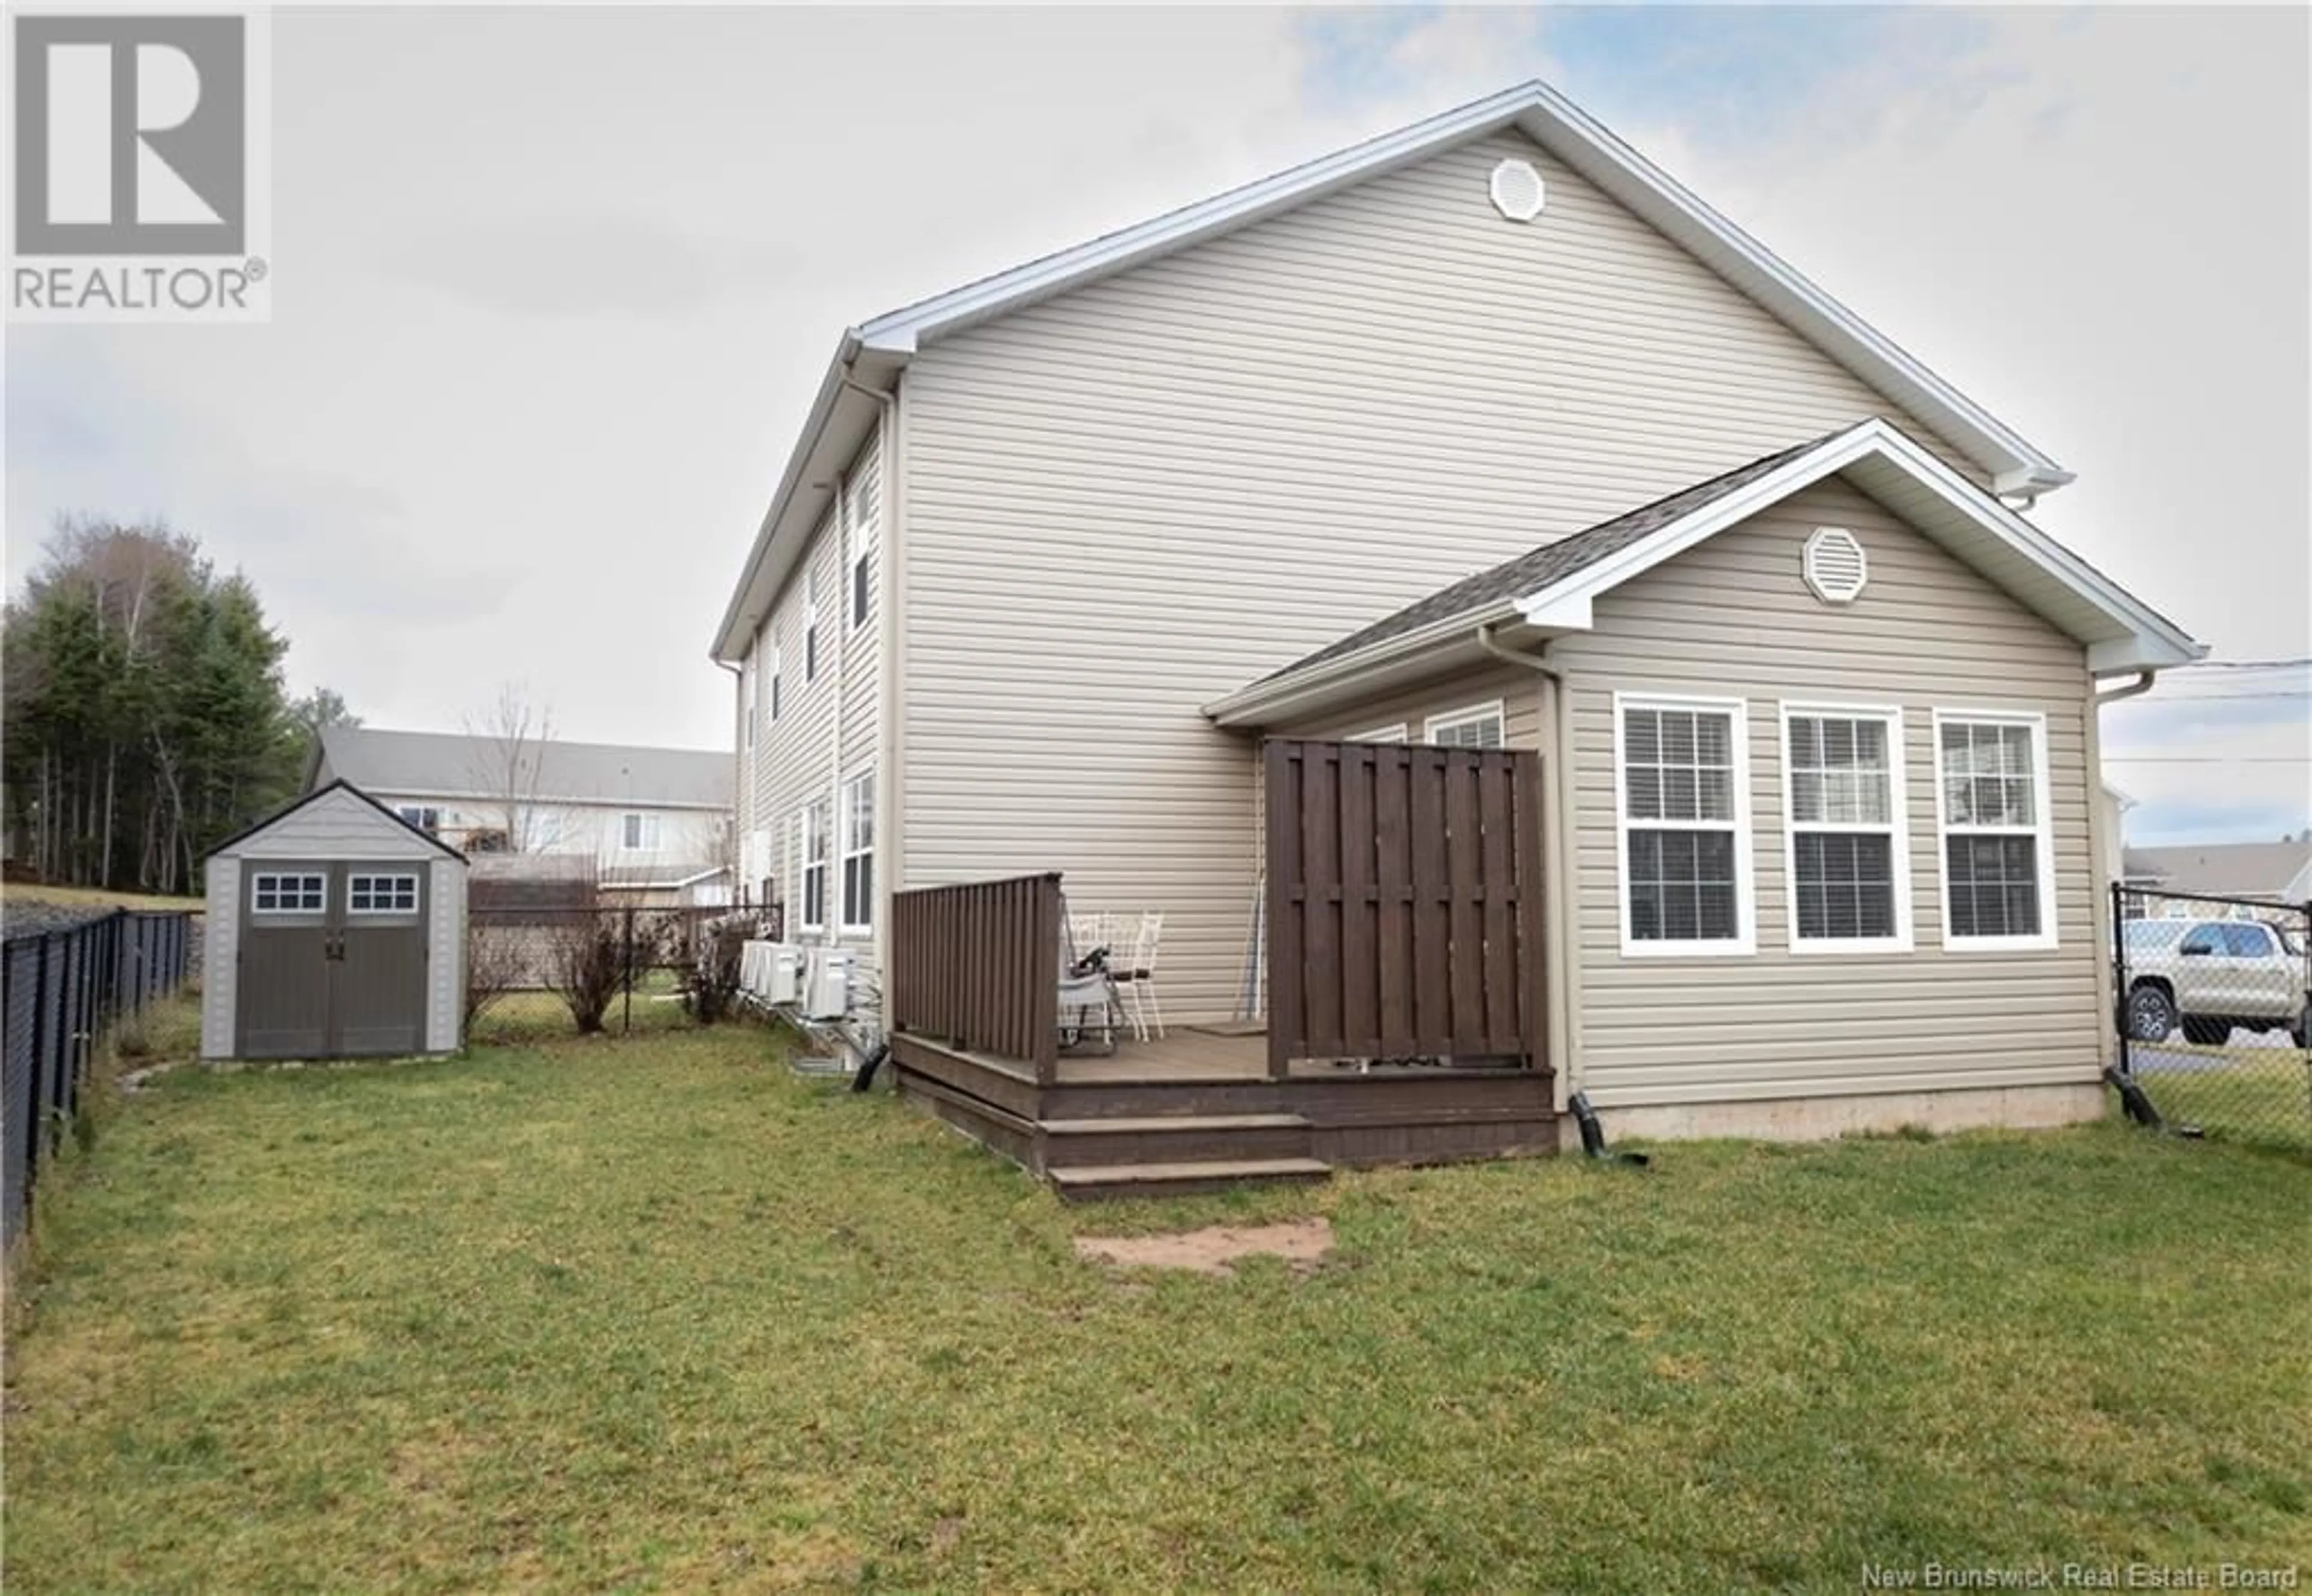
pixel 638 832
pixel 862 518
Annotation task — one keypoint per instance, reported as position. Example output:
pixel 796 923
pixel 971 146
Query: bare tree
pixel 510 739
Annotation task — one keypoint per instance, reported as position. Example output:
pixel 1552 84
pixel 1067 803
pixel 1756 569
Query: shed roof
pixel 448 765
pixel 308 800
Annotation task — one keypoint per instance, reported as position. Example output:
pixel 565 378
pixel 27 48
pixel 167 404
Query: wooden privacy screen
pixel 1405 899
pixel 977 966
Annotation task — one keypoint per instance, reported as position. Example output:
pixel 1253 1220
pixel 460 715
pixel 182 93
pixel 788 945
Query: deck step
pixel 1136 1140
pixel 1178 1122
pixel 1087 1182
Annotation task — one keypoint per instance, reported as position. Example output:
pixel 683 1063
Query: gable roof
pixel 2225 869
pixel 446 765
pixel 1550 590
pixel 315 796
pixel 869 358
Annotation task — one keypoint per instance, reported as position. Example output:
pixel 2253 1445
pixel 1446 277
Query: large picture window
pixel 1849 883
pixel 1991 798
pixel 1684 821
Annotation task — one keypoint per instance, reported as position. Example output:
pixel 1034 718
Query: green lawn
pixel 656 1315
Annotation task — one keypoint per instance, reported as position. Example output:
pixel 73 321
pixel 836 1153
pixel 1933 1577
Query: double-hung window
pixel 637 832
pixel 775 684
pixel 1849 863
pixel 859 853
pixel 425 816
pixel 1683 771
pixel 810 626
pixel 1477 726
pixel 811 845
pixel 747 702
pixel 1991 799
pixel 865 494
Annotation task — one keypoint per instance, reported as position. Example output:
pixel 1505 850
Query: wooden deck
pixel 1196 1110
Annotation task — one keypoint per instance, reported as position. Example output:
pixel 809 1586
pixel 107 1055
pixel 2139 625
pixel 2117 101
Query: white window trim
pixel 803 867
pixel 256 878
pixel 416 891
pixel 1398 733
pixel 844 853
pixel 1898 828
pixel 1447 720
pixel 2043 808
pixel 1745 941
pixel 772 705
pixel 648 829
pixel 859 546
pixel 746 696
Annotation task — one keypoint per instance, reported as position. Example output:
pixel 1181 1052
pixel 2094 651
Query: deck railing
pixel 977 966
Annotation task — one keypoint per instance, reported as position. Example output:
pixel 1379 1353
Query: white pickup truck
pixel 2212 976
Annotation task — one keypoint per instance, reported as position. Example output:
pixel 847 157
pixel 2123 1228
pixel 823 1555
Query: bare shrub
pixel 710 978
pixel 495 965
pixel 592 957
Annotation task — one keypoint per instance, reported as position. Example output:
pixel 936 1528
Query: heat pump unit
pixel 755 969
pixel 827 990
pixel 784 982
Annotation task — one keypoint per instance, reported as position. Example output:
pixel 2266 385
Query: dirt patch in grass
pixel 1301 1243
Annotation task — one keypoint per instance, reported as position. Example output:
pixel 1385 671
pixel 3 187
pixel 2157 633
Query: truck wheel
pixel 2206 1033
pixel 2150 1014
pixel 2302 1030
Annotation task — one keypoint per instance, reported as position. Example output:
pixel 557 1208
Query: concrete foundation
pixel 1818 1118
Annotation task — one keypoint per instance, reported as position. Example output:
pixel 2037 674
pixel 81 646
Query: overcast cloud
pixel 554 289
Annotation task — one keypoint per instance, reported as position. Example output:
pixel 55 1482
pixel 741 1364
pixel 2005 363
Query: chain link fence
pixel 61 986
pixel 2214 1014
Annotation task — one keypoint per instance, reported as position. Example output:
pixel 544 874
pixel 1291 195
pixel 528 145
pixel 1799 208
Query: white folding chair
pixel 1135 975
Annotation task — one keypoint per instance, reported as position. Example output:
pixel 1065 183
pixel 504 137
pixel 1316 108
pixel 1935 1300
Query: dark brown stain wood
pixel 976 966
pixel 1403 900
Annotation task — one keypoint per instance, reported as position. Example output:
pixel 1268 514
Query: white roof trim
pixel 2135 638
pixel 873 353
pixel 2127 635
pixel 1574 137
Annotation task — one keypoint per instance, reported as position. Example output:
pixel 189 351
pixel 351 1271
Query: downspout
pixel 2107 995
pixel 1561 970
pixel 886 640
pixel 743 791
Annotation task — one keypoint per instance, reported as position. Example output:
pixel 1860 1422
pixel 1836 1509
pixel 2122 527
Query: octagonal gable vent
pixel 1836 566
pixel 1518 191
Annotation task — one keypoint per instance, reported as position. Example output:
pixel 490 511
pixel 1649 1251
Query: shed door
pixel 332 960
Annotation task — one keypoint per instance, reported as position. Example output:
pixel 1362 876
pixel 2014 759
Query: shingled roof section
pixel 1553 561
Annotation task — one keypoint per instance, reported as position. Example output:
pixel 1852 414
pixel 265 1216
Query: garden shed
pixel 336 930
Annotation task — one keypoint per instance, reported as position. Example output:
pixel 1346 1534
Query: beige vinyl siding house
pixel 810 720
pixel 1341 410
pixel 1136 498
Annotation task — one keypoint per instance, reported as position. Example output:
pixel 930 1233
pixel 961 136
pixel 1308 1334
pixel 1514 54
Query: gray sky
pixel 553 288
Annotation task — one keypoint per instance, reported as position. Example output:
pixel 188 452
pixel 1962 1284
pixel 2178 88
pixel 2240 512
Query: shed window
pixel 276 894
pixel 1844 792
pixel 1990 797
pixel 1477 726
pixel 1685 826
pixel 381 894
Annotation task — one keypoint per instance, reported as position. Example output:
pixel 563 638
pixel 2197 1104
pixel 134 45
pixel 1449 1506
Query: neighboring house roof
pixel 2271 870
pixel 870 356
pixel 1549 592
pixel 445 765
pixel 314 796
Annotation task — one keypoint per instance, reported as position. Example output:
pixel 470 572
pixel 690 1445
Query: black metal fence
pixel 60 986
pixel 2215 1014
